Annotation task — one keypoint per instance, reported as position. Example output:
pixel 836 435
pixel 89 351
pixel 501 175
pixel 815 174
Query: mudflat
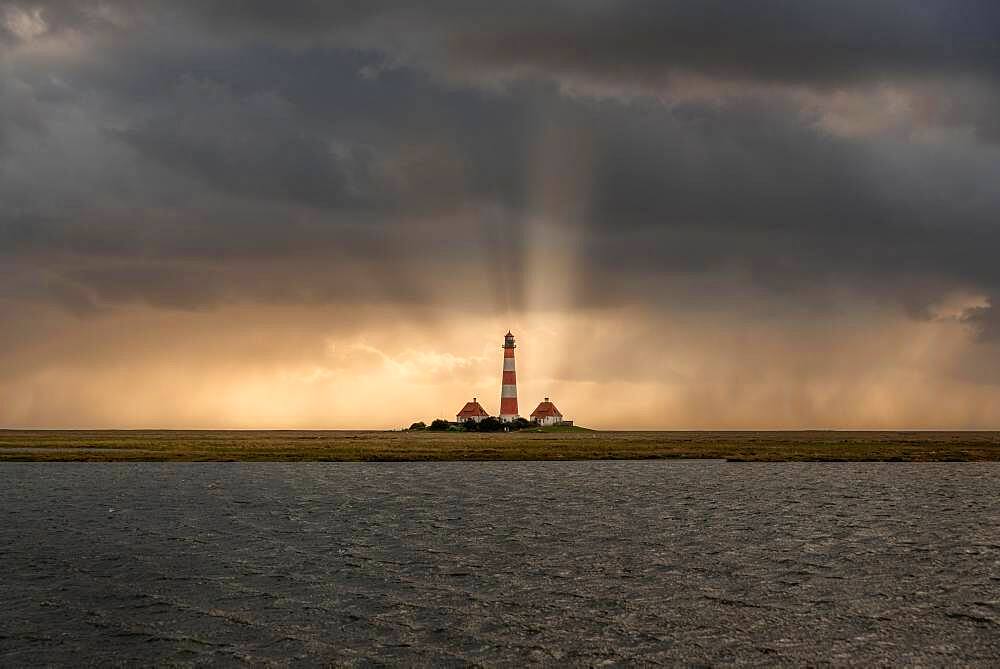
pixel 500 564
pixel 292 446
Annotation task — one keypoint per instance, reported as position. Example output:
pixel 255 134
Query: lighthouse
pixel 508 389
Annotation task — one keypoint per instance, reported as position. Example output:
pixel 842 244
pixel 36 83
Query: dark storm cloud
pixel 254 146
pixel 782 40
pixel 254 129
pixel 770 40
pixel 308 129
pixel 810 41
pixel 657 47
pixel 18 109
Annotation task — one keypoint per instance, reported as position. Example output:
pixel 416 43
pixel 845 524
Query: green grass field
pixel 291 446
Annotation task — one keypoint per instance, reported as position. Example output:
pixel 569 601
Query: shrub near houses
pixel 493 424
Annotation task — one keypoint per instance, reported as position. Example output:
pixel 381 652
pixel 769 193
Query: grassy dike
pixel 579 444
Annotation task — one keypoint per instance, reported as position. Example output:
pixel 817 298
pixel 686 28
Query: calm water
pixel 458 563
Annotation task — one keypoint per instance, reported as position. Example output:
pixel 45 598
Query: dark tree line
pixel 489 424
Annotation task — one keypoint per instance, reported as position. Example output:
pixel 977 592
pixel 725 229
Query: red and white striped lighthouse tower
pixel 508 391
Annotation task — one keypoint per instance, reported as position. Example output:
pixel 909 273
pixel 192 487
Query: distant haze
pixel 763 214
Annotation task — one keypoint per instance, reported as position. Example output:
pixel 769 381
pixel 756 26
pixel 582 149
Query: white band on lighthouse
pixel 508 364
pixel 508 391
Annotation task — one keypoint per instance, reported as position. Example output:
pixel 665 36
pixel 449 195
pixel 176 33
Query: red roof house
pixel 473 410
pixel 547 413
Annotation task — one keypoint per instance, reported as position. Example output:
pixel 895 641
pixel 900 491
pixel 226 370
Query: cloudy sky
pixel 715 214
